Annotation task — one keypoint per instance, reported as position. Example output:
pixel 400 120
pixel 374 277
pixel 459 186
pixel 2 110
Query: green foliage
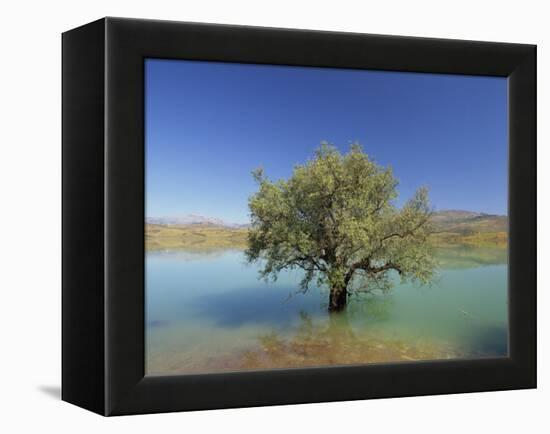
pixel 335 219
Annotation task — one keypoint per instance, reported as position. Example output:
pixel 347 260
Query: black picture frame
pixel 103 215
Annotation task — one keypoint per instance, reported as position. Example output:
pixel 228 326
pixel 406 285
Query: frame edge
pixel 83 382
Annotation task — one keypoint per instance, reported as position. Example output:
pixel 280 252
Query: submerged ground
pixel 208 312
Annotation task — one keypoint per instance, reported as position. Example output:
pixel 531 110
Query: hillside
pixel 467 223
pixel 466 227
pixel 195 232
pixel 200 237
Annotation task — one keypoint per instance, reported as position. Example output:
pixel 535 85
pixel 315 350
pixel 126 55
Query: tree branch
pixel 366 266
pixel 407 232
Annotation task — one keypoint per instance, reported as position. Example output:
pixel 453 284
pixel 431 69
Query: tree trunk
pixel 337 299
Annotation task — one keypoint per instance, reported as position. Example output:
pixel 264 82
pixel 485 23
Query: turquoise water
pixel 209 312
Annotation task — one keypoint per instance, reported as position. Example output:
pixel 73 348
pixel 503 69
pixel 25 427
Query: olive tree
pixel 336 220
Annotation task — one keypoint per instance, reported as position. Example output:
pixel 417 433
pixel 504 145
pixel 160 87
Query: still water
pixel 209 312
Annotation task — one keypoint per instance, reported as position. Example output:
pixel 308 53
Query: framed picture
pixel 257 216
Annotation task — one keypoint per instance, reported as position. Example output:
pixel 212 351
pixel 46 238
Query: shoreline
pixel 211 237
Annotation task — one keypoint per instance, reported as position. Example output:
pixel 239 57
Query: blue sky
pixel 209 124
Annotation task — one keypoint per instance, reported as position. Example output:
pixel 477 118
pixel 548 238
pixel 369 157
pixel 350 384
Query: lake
pixel 207 311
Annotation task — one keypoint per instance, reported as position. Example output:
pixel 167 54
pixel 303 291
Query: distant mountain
pixel 186 219
pixel 457 214
pixel 191 219
pixel 468 222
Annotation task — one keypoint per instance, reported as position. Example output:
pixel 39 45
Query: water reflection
pixel 374 308
pixel 464 256
pixel 208 312
pixel 252 305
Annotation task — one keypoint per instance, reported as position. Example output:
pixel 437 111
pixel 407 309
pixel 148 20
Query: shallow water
pixel 209 312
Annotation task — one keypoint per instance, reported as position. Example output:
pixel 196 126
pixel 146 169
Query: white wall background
pixel 30 201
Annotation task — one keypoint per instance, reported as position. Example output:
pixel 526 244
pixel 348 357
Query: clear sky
pixel 209 124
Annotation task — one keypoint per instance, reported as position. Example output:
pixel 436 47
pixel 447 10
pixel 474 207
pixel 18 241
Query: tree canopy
pixel 336 219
